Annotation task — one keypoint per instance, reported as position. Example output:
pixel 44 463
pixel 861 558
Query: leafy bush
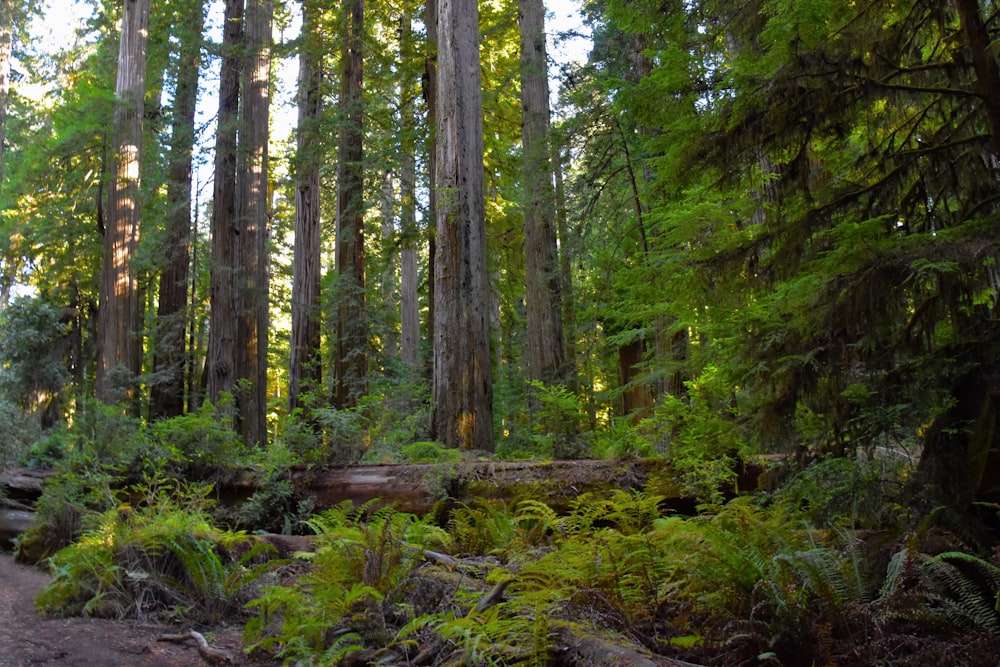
pixel 19 431
pixel 33 336
pixel 274 507
pixel 358 578
pixel 850 493
pixel 429 451
pixel 197 445
pixel 158 558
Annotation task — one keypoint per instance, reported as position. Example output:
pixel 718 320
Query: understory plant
pixel 355 586
pixel 749 582
pixel 155 555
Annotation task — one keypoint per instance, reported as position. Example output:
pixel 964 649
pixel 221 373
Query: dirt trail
pixel 27 638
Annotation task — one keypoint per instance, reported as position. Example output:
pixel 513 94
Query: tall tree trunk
pixel 223 319
pixel 985 63
pixel 252 217
pixel 6 45
pixel 8 271
pixel 463 391
pixel 169 362
pixel 543 301
pixel 430 98
pixel 567 246
pixel 117 341
pixel 409 302
pixel 390 333
pixel 306 368
pixel 352 329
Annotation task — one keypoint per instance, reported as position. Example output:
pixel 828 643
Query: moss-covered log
pixel 418 487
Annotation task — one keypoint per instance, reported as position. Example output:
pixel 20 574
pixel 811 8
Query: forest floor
pixel 28 638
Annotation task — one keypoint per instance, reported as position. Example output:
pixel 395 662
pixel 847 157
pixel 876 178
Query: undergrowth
pixel 747 583
pixel 155 556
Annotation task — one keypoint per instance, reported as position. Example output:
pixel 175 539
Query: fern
pixel 964 588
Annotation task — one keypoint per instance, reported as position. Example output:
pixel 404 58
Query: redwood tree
pixel 252 217
pixel 409 302
pixel 463 392
pixel 543 304
pixel 305 362
pixel 6 43
pixel 221 362
pixel 352 329
pixel 169 363
pixel 118 344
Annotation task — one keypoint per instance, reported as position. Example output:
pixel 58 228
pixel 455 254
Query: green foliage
pixel 157 558
pixel 556 420
pixel 429 451
pixel 21 432
pixel 854 494
pixel 483 528
pixel 703 442
pixel 622 439
pixel 358 577
pixel 196 444
pixel 274 506
pixel 33 344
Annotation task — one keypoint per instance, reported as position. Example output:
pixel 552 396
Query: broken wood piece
pixel 209 654
pixel 495 596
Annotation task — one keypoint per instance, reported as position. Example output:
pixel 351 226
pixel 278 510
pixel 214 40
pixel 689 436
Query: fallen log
pixel 418 488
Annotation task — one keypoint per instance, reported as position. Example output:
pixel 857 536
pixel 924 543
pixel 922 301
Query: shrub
pixel 158 558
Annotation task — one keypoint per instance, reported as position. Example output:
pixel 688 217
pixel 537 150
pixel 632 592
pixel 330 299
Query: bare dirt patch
pixel 28 638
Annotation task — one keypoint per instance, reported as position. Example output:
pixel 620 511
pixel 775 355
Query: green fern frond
pixel 964 587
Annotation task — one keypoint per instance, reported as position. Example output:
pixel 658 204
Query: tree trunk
pixel 252 217
pixel 543 301
pixel 409 302
pixel 567 247
pixel 637 396
pixel 169 363
pixel 430 98
pixel 961 449
pixel 306 368
pixel 987 68
pixel 6 44
pixel 419 488
pixel 8 270
pixel 463 391
pixel 223 320
pixel 390 330
pixel 352 329
pixel 117 342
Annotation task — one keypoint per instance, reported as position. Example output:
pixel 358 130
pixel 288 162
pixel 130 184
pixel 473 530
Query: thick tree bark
pixel 390 293
pixel 463 391
pixel 985 63
pixel 961 449
pixel 170 361
pixel 221 363
pixel 8 270
pixel 6 45
pixel 117 341
pixel 252 217
pixel 567 245
pixel 409 302
pixel 637 397
pixel 543 300
pixel 306 367
pixel 352 330
pixel 430 98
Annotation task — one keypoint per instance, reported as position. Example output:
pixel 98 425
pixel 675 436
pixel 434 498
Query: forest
pixel 740 265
